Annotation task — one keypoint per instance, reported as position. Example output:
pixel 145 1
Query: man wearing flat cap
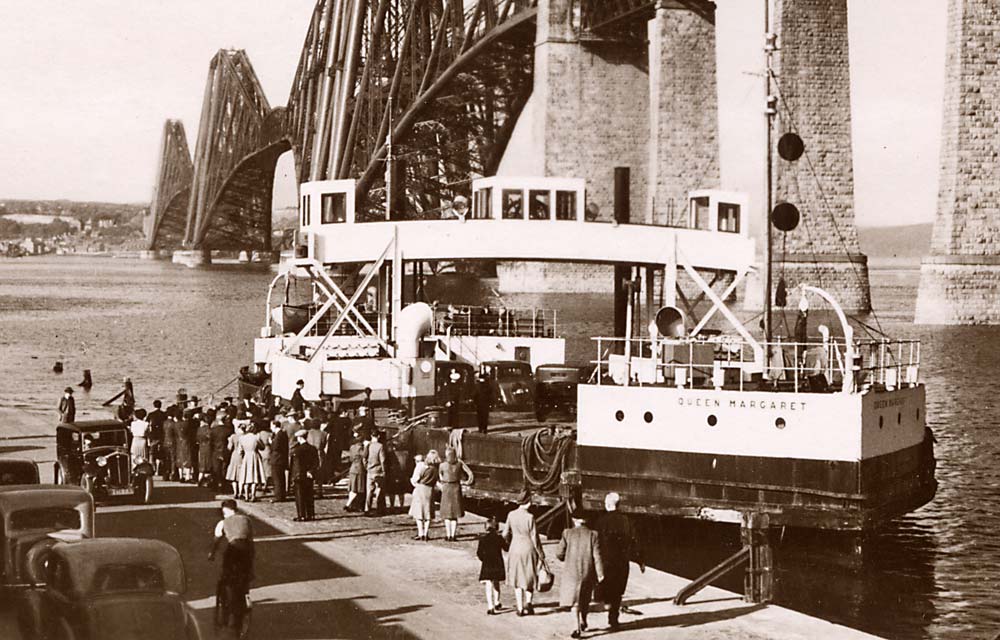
pixel 305 463
pixel 67 406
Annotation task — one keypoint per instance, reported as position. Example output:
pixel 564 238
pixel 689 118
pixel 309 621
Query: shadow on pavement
pixel 683 620
pixel 340 618
pixel 19 449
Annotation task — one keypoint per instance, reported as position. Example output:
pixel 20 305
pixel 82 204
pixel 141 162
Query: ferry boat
pixel 823 434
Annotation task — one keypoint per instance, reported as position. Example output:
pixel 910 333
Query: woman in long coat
pixel 235 457
pixel 185 448
pixel 452 474
pixel 582 570
pixel 425 476
pixel 524 556
pixel 251 472
pixel 264 435
pixel 205 454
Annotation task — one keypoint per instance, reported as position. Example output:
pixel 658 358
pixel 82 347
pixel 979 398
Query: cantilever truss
pixel 168 209
pixel 239 140
pixel 447 79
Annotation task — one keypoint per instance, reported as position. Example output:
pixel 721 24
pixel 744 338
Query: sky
pixel 85 86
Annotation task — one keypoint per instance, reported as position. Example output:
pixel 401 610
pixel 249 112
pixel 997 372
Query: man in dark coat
pixel 278 459
pixel 171 440
pixel 67 406
pixel 222 429
pixel 298 402
pixel 619 545
pixel 156 419
pixel 305 461
pixel 483 400
pixel 583 568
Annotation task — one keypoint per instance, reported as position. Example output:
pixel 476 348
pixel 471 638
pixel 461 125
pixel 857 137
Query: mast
pixel 770 111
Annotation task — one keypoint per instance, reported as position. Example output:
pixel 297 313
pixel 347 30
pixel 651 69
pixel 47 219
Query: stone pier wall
pixel 960 280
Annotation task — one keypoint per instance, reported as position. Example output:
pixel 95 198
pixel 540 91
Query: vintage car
pixel 33 518
pixel 555 389
pixel 109 588
pixel 95 455
pixel 511 384
pixel 18 471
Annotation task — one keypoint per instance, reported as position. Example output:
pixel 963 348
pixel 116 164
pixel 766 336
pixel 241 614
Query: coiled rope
pixel 547 453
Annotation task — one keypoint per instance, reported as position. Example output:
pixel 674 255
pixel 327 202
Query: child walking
pixel 491 573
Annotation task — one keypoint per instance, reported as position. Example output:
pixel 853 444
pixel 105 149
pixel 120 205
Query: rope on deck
pixel 548 453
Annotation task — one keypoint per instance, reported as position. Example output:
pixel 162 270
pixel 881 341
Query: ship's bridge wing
pixel 536 219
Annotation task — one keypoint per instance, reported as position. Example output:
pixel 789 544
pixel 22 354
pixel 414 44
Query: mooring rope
pixel 551 457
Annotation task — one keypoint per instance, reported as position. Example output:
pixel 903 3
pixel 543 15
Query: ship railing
pixel 496 321
pixel 724 362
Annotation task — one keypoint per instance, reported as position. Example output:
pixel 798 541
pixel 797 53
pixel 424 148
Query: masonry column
pixel 960 280
pixel 683 111
pixel 813 87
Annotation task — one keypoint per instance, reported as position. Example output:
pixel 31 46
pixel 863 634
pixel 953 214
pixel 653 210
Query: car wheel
pixel 148 490
pixel 34 560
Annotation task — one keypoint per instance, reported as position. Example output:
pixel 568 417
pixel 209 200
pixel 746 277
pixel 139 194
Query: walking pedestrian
pixel 452 474
pixel 580 550
pixel 278 459
pixel 525 555
pixel 491 570
pixel 620 544
pixel 305 461
pixel 374 475
pixel 67 407
pixel 425 476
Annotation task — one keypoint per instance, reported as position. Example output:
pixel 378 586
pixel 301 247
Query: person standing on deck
pixel 619 545
pixel 580 550
pixel 483 401
pixel 67 407
pixel 305 461
pixel 278 460
pixel 297 401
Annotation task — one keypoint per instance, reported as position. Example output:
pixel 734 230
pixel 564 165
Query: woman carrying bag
pixel 525 557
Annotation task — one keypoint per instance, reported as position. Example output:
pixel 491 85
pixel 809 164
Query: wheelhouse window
pixel 565 205
pixel 334 208
pixel 513 204
pixel 538 205
pixel 699 213
pixel 51 518
pixel 729 217
pixel 483 204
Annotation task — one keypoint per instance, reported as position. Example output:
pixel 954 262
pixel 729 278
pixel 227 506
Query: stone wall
pixel 960 281
pixel 813 88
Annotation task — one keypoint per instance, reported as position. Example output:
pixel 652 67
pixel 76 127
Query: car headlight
pixel 102 461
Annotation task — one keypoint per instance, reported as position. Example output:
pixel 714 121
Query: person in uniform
pixel 580 550
pixel 67 407
pixel 305 462
pixel 619 546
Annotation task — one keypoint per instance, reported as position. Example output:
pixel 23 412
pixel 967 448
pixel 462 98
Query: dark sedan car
pixel 95 455
pixel 123 588
pixel 18 471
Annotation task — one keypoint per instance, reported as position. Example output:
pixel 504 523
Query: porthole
pixel 648 417
pixel 880 422
pixel 780 423
pixel 712 420
pixel 619 415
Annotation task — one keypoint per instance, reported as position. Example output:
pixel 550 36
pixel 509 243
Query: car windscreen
pixel 127 577
pixel 48 518
pixel 107 438
pixel 511 371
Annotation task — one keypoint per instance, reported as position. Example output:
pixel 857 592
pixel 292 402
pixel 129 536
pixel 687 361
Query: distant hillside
pixel 909 241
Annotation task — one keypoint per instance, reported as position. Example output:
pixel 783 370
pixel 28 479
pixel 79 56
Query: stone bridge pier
pixel 960 280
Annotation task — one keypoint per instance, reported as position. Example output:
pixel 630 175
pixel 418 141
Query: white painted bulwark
pixel 746 423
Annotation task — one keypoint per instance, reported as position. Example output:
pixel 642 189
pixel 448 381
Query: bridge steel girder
pixel 448 78
pixel 625 18
pixel 239 140
pixel 167 218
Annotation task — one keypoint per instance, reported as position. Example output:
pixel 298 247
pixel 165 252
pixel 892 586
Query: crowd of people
pixel 252 449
